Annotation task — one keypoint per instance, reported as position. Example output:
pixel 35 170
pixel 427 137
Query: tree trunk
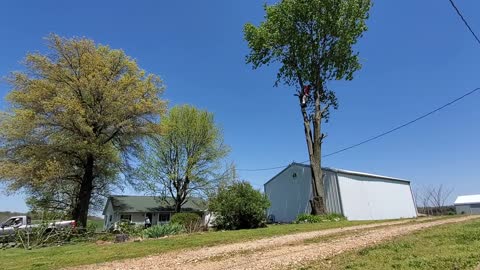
pixel 314 145
pixel 80 211
pixel 178 207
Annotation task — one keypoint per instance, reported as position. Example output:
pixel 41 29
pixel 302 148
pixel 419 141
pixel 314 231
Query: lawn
pixel 88 253
pixel 453 246
pixel 98 224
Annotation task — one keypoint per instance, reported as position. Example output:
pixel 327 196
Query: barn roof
pixel 467 199
pixel 344 172
pixel 126 203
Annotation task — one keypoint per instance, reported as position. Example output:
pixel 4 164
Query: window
pixel 126 217
pixel 9 222
pixel 163 217
pixel 110 218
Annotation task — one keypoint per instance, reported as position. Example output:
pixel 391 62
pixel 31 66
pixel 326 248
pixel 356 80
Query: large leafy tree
pixel 183 160
pixel 76 114
pixel 312 41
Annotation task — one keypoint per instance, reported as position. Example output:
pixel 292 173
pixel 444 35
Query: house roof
pixel 342 171
pixel 467 199
pixel 126 203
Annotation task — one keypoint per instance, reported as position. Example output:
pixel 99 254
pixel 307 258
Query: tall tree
pixel 76 114
pixel 184 160
pixel 312 41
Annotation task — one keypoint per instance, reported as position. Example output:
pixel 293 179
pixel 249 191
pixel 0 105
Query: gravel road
pixel 277 252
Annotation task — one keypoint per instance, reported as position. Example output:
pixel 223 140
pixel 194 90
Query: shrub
pixel 192 222
pixel 91 228
pixel 239 206
pixel 126 227
pixel 308 218
pixel 162 230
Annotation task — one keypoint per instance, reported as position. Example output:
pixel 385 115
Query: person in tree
pixel 305 95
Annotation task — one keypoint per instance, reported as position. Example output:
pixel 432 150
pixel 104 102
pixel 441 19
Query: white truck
pixel 12 224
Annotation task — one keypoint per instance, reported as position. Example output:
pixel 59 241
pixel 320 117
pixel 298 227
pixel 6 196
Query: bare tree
pixel 438 197
pixel 432 200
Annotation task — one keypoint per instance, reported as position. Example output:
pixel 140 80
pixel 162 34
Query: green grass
pixel 453 246
pixel 98 224
pixel 88 253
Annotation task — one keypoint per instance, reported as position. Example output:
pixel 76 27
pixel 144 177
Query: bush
pixel 239 206
pixel 162 230
pixel 192 222
pixel 308 218
pixel 126 227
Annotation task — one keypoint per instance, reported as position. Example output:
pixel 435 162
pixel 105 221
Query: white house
pixel 136 208
pixel 468 204
pixel 356 195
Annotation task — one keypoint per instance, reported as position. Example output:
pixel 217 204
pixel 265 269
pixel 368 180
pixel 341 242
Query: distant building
pixel 135 209
pixel 468 204
pixel 356 195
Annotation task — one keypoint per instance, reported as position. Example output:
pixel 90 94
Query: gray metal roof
pixel 132 204
pixel 343 172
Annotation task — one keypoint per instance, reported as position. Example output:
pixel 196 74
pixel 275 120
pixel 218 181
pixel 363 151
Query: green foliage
pixel 309 38
pixel 239 206
pixel 91 228
pixel 192 222
pixel 184 157
pixel 42 235
pixel 163 230
pixel 131 229
pixel 76 113
pixel 308 218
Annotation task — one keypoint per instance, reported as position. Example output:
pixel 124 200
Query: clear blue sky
pixel 416 56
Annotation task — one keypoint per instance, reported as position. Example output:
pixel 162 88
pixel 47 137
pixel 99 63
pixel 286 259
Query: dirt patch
pixel 276 252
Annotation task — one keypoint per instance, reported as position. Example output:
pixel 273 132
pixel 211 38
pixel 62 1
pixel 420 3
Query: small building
pixel 136 208
pixel 468 204
pixel 355 195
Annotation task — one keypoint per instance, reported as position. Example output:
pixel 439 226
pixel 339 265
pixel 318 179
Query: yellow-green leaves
pixel 80 99
pixel 183 159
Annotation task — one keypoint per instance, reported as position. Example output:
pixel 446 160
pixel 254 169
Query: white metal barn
pixel 356 195
pixel 468 204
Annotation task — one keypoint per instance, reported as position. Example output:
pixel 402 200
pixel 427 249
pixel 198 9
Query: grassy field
pixel 98 224
pixel 88 253
pixel 454 246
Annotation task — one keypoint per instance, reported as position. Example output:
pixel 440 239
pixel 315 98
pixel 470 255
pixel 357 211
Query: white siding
pixel 469 209
pixel 291 190
pixel 289 193
pixel 107 222
pixel 369 198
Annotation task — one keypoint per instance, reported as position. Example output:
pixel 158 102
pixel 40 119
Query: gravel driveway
pixel 277 252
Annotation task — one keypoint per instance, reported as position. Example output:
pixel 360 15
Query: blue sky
pixel 416 56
